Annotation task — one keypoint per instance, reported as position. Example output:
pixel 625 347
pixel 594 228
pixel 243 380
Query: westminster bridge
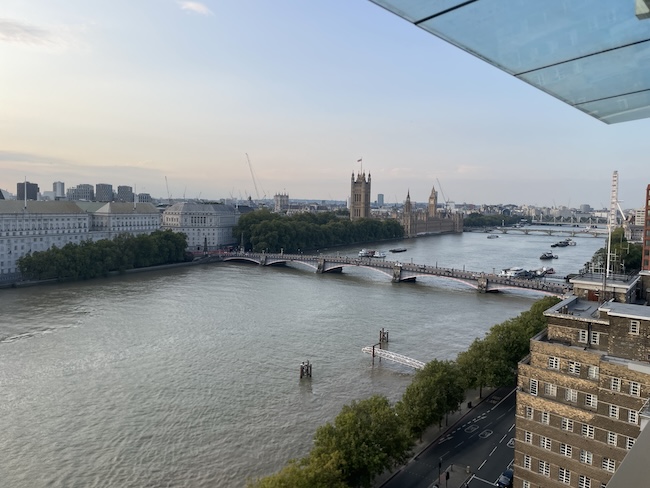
pixel 402 272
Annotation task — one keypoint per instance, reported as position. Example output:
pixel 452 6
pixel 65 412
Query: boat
pixel 570 241
pixel 550 271
pixel 398 249
pixel 514 272
pixel 366 253
pixel 493 236
pixel 378 254
pixel 560 244
pixel 548 255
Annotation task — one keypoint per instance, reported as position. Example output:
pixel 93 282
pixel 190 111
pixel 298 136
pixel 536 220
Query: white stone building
pixel 36 226
pixel 108 220
pixel 205 224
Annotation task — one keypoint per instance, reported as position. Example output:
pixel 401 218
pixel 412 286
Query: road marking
pixel 511 442
pixel 482 464
pixel 471 428
pixel 485 434
pixel 504 398
pixel 511 427
pixel 492 452
pixel 504 436
pixel 459 444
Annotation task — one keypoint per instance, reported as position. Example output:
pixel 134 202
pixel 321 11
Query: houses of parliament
pixel 414 221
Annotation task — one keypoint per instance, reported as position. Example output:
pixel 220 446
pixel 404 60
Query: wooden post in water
pixel 383 335
pixel 305 369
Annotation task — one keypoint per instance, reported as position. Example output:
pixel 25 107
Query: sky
pixel 176 97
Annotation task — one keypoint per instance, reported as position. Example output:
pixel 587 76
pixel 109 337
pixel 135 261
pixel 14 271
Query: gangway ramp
pixel 393 356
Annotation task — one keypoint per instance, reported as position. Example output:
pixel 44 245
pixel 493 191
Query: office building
pixel 83 192
pixel 32 191
pixel 103 192
pixel 59 189
pixel 124 193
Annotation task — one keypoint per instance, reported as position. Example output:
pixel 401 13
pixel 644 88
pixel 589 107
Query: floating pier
pixel 393 356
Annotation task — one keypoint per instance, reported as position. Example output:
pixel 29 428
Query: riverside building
pixel 208 226
pixel 34 226
pixel 581 394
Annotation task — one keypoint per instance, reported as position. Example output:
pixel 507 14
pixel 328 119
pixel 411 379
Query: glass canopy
pixel 592 54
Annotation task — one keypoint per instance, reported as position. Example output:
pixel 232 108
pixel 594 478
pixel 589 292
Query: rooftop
pixel 593 55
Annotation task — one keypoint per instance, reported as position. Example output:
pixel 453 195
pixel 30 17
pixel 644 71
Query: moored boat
pixel 398 249
pixel 548 255
pixel 378 254
pixel 493 236
pixel 366 253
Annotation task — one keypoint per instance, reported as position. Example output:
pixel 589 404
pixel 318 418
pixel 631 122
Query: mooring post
pixel 305 369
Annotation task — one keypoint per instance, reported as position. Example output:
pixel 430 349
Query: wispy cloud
pixel 196 7
pixel 15 31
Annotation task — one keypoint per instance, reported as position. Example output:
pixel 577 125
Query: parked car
pixel 505 480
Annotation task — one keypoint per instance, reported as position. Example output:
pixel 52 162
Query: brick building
pixel 580 394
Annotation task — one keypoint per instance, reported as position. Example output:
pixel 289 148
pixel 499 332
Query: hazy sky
pixel 129 92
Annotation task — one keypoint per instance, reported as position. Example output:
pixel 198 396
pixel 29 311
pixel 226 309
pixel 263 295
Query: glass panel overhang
pixel 592 54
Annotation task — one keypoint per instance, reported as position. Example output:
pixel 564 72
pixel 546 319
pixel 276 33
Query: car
pixel 505 480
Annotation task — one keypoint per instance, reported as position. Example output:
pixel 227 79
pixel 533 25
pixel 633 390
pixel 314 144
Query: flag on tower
pixel 359 160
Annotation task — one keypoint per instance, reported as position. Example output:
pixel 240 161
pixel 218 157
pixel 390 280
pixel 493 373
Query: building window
pixel 525 484
pixel 613 411
pixel 545 443
pixel 586 457
pixel 592 372
pixel 574 368
pixel 582 336
pixel 635 388
pixel 566 450
pixel 588 430
pixel 634 327
pixel 544 418
pixel 529 412
pixel 553 362
pixel 615 384
pixel 629 442
pixel 533 387
pixel 567 424
pixel 633 417
pixel 595 337
pixel 571 395
pixel 564 475
pixel 528 437
pixel 612 438
pixel 550 389
pixel 527 463
pixel 591 400
pixel 609 465
pixel 584 482
pixel 544 468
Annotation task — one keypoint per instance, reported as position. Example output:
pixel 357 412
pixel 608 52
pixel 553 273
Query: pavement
pixel 458 475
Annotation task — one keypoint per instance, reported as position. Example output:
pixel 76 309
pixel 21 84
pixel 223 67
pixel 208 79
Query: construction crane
pixel 250 166
pixel 169 196
pixel 443 195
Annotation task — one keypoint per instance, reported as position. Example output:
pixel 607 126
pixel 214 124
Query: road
pixel 476 450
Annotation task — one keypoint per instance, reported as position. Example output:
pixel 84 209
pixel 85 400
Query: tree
pixel 309 472
pixel 366 438
pixel 474 365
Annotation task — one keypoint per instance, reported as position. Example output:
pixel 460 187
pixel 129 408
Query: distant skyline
pixel 129 93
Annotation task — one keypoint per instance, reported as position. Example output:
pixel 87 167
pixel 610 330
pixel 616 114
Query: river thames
pixel 189 377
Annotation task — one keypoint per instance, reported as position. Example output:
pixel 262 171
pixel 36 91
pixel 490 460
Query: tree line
pixel 625 257
pixel 479 220
pixel 263 230
pixel 370 436
pixel 90 259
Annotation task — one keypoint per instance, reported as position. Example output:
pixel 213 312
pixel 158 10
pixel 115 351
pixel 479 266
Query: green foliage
pixel 435 391
pixel 493 360
pixel 625 255
pixel 265 231
pixel 480 220
pixel 366 438
pixel 310 472
pixel 89 259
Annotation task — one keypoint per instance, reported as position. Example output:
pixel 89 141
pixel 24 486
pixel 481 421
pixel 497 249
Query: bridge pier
pixel 482 284
pixel 263 260
pixel 322 267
